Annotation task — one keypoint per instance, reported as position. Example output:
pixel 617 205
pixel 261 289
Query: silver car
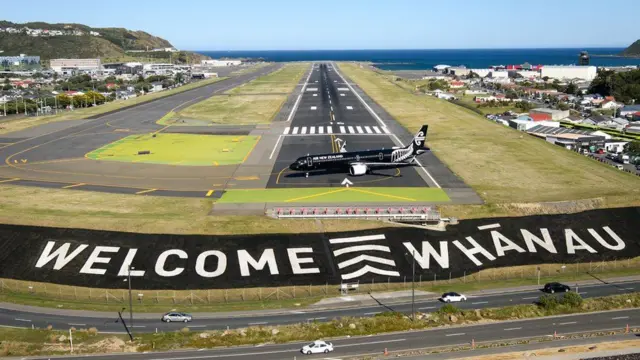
pixel 176 317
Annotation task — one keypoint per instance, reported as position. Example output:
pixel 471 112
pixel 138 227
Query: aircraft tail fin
pixel 419 140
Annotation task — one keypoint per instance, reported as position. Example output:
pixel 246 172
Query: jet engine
pixel 357 169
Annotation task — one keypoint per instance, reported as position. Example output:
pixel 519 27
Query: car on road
pixel 176 317
pixel 317 347
pixel 555 287
pixel 452 297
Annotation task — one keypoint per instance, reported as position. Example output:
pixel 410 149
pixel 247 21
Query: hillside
pixel 632 50
pixel 109 43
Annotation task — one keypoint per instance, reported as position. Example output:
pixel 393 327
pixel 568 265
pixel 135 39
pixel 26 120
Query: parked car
pixel 176 317
pixel 555 287
pixel 317 347
pixel 452 297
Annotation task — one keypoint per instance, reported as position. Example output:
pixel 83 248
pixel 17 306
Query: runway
pixel 329 110
pixel 61 319
pixel 412 340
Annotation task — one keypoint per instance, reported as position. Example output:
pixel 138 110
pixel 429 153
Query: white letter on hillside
pixel 267 257
pixel 547 243
pixel 570 237
pixel 476 249
pixel 296 261
pixel 60 255
pixel 202 258
pixel 422 258
pixel 124 269
pixel 499 239
pixel 160 270
pixel 619 243
pixel 95 258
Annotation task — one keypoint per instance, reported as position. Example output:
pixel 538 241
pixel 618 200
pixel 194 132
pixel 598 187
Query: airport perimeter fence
pixel 438 282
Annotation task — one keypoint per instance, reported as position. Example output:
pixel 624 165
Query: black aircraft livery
pixel 360 162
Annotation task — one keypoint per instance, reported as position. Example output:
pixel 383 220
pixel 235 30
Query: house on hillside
pixel 597 120
pixel 629 110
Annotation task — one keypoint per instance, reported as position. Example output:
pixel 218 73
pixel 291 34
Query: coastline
pixel 616 56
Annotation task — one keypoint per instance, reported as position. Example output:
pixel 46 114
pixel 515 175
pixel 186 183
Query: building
pixel 569 72
pixel 219 63
pixel 614 146
pixel 583 59
pixel 440 68
pixel 553 113
pixel 456 84
pixel 21 62
pixel 66 65
pixel 629 110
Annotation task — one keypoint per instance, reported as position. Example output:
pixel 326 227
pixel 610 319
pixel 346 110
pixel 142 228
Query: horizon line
pixel 430 49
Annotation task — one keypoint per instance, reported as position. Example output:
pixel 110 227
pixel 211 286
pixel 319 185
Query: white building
pixel 555 114
pixel 528 74
pixel 569 72
pixel 57 65
pixel 614 146
pixel 218 63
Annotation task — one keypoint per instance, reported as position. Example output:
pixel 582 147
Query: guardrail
pixel 399 214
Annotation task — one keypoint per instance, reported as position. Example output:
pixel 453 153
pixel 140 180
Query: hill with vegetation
pixel 112 43
pixel 632 50
pixel 624 86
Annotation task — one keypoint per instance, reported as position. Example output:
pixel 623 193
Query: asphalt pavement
pixel 26 317
pixel 437 337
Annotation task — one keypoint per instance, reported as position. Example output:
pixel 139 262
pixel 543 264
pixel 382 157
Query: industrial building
pixel 219 63
pixel 569 72
pixel 68 65
pixel 21 62
pixel 554 114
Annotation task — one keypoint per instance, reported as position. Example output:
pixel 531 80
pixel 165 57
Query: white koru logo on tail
pixel 359 258
pixel 419 139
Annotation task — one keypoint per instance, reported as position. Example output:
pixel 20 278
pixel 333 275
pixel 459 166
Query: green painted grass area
pixel 178 149
pixel 337 195
pixel 283 80
pixel 231 110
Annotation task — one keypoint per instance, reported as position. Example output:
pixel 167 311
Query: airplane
pixel 359 163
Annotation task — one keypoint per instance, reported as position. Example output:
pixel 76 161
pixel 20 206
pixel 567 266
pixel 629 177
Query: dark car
pixel 556 287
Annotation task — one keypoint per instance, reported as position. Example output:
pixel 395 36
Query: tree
pixel 545 78
pixel 571 89
pixel 563 106
pixel 63 100
pixel 633 148
pixel 511 95
pixel 179 77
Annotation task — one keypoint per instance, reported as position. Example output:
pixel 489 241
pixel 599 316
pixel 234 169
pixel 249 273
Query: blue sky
pixel 354 24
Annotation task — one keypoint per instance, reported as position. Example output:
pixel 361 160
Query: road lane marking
pixel 487 227
pixel 318 318
pixel 258 323
pixel 25 320
pixel 620 318
pixel 368 129
pixel 72 324
pixel 375 128
pixel 373 313
pixel 373 342
pixel 8 180
pixel 73 185
pixel 426 307
pixel 479 302
pixel 145 191
pixel 342 130
pixel 359 128
pixel 286 130
pixel 275 146
pixel 304 130
pixel 509 329
pixel 138 326
pixel 531 297
pixel 196 326
pixel 456 334
pixel 568 323
pixel 351 131
pixel 295 130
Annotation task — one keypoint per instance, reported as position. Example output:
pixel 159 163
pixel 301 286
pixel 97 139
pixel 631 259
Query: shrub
pixel 572 299
pixel 548 302
pixel 92 331
pixel 448 309
pixel 184 330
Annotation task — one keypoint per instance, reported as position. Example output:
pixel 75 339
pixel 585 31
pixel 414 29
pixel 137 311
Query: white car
pixel 452 297
pixel 317 347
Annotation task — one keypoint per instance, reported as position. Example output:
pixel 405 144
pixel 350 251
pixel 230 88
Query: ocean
pixel 427 59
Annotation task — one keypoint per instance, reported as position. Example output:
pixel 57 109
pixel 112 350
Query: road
pixel 151 322
pixel 449 336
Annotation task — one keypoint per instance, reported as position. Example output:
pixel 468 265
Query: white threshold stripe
pixel 329 130
pixel 351 131
pixel 304 130
pixel 342 129
pixel 375 128
pixel 295 130
pixel 25 320
pixel 359 128
pixel 368 129
pixel 321 129
pixel 457 334
pixel 356 239
pixel 509 329
pixel 286 130
pixel 312 130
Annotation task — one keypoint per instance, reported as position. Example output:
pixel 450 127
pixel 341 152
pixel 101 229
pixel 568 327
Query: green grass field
pixel 283 80
pixel 503 165
pixel 178 149
pixel 231 110
pixel 339 195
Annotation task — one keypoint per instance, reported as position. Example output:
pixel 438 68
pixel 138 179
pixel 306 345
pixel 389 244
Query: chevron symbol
pixel 360 247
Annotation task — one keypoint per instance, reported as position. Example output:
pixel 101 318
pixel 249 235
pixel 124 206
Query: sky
pixel 355 24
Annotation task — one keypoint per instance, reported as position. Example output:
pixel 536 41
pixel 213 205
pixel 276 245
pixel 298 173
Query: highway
pixel 448 336
pixel 151 322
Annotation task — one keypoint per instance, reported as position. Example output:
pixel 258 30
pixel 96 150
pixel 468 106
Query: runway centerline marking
pixel 456 334
pixel 509 329
pixel 568 323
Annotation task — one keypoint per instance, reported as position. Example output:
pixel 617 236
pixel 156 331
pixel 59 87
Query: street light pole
pixel 413 286
pixel 130 300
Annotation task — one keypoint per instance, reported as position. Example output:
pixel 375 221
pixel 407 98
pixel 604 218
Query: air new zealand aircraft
pixel 361 162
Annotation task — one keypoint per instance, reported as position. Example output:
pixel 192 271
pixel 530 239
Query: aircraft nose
pixel 293 166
